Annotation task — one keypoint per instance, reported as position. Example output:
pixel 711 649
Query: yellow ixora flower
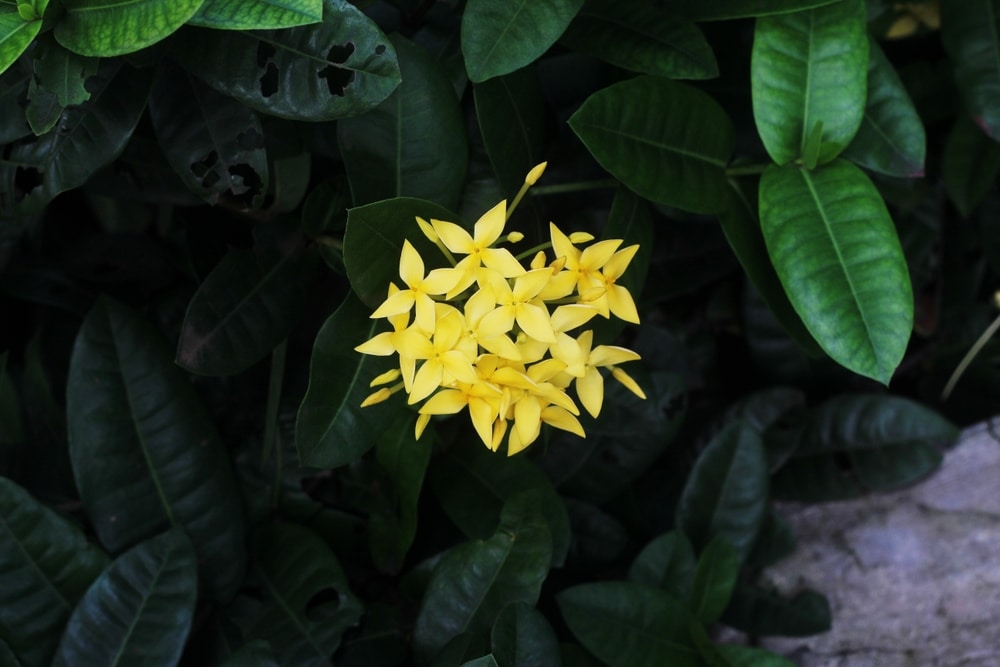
pixel 499 339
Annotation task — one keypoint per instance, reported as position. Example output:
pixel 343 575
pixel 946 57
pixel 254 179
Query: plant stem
pixel 579 186
pixel 969 356
pixel 747 169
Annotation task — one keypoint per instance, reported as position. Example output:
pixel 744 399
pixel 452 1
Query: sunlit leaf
pixel 99 28
pixel 257 14
pixel 719 10
pixel 16 35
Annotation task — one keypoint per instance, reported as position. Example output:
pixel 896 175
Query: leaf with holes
pixel 100 28
pixel 809 68
pixel 522 637
pixel 146 455
pixel 665 140
pixel 836 251
pixel 411 145
pixel 62 72
pixel 46 564
pixel 641 38
pixel 16 35
pixel 257 14
pixel 500 36
pixel 341 67
pixel 139 611
pixel 722 10
pixel 969 32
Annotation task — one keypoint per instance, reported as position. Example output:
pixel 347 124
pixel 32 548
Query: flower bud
pixel 515 237
pixel 382 394
pixel 385 378
pixel 538 261
pixel 627 381
pixel 535 173
pixel 580 237
pixel 428 230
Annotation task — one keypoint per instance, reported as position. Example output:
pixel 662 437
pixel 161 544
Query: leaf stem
pixel 969 356
pixel 747 169
pixel 578 186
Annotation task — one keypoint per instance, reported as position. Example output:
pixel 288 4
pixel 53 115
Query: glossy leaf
pixel 500 36
pixel 628 625
pixel 411 145
pixel 810 67
pixel 667 562
pixel 146 455
pixel 836 251
pixel 719 10
pixel 214 143
pixel 341 67
pixel 642 38
pixel 761 612
pixel 858 443
pixel 969 32
pixel 714 580
pixel 139 611
pixel 246 306
pixel 891 138
pixel 476 580
pixel 971 165
pixel 16 35
pixel 62 72
pixel 522 637
pixel 726 493
pixel 511 114
pixel 46 564
pixel 257 14
pixel 664 140
pixel 98 28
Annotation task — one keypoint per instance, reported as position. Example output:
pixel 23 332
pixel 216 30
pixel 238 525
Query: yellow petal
pixel 615 267
pixel 377 397
pixel 571 316
pixel 527 419
pixel 511 377
pixel 562 246
pixel 499 431
pixel 400 302
pixel 557 396
pixel 445 402
pixel 560 284
pixel 448 329
pixel 496 323
pixel 440 281
pixel 413 344
pixel 502 347
pixel 590 390
pixel 425 319
pixel 454 237
pixel 390 375
pixel 606 355
pixel 556 416
pixel 490 226
pixel 628 382
pixel 480 303
pixel 544 371
pixel 482 415
pixel 502 261
pixel 567 350
pixel 459 367
pixel 428 230
pixel 380 345
pixel 418 428
pixel 411 265
pixel 538 261
pixel 596 255
pixel 427 379
pixel 534 321
pixel 528 285
pixel 621 304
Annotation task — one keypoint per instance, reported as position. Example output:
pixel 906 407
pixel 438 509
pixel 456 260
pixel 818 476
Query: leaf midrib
pixel 642 140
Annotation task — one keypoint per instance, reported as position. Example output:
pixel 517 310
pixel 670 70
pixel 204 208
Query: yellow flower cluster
pixel 493 336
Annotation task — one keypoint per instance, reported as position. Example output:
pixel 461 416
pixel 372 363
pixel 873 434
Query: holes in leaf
pixel 245 183
pixel 204 169
pixel 269 82
pixel 26 179
pixel 323 597
pixel 380 49
pixel 338 78
pixel 265 52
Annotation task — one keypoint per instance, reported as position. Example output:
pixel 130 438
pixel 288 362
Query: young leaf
pixel 721 10
pixel 139 611
pixel 257 14
pixel 727 491
pixel 500 36
pixel 475 580
pixel 807 67
pixel 97 28
pixel 971 164
pixel 16 34
pixel 414 143
pixel 628 625
pixel 145 453
pixel 46 564
pixel 969 32
pixel 714 580
pixel 666 141
pixel 835 249
pixel 760 612
pixel 667 562
pixel 522 637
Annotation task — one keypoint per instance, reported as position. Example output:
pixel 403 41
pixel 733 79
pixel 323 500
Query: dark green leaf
pixel 667 562
pixel 214 143
pixel 43 110
pixel 969 32
pixel 642 38
pixel 62 72
pixel 663 139
pixel 748 656
pixel 810 67
pixel 720 10
pixel 727 491
pixel 971 165
pixel 522 637
pixel 760 612
pixel 145 453
pixel 714 580
pixel 475 580
pixel 15 35
pixel 598 537
pixel 257 14
pixel 891 137
pixel 246 306
pixel 97 28
pixel 500 36
pixel 836 251
pixel 256 653
pixel 414 143
pixel 511 115
pixel 46 564
pixel 857 443
pixel 341 67
pixel 775 541
pixel 484 661
pixel 628 625
pixel 14 85
pixel 7 657
pixel 139 611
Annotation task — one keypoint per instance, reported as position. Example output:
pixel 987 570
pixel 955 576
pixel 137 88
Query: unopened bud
pixel 385 378
pixel 580 237
pixel 515 237
pixel 558 264
pixel 428 230
pixel 381 395
pixel 627 381
pixel 422 421
pixel 535 173
pixel 538 261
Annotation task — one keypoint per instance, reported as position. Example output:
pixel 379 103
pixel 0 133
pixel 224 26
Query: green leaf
pixel 139 611
pixel 257 14
pixel 99 28
pixel 311 604
pixel 500 36
pixel 43 110
pixel 46 564
pixel 145 453
pixel 836 251
pixel 246 306
pixel 667 562
pixel 721 10
pixel 858 443
pixel 971 165
pixel 642 38
pixel 7 657
pixel 522 637
pixel 256 653
pixel 214 143
pixel 341 67
pixel 664 140
pixel 775 542
pixel 809 67
pixel 62 72
pixel 374 239
pixel 969 32
pixel 727 491
pixel 714 580
pixel 748 656
pixel 760 612
pixel 484 661
pixel 14 84
pixel 511 114
pixel 474 581
pixel 599 539
pixel 891 138
pixel 16 35
pixel 628 625
pixel 414 143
